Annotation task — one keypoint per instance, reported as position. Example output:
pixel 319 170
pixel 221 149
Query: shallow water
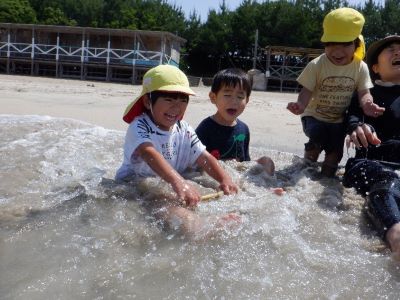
pixel 68 231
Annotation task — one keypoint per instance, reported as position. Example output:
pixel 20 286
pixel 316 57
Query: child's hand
pixel 228 187
pixel 371 109
pixel 187 193
pixel 278 191
pixel 296 108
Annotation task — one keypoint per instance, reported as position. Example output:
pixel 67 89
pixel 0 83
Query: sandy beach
pixel 102 103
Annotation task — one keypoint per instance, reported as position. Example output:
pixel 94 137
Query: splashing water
pixel 68 231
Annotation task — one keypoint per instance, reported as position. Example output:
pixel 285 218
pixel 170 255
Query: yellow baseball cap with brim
pixel 344 25
pixel 163 78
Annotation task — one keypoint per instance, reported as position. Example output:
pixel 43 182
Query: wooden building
pixel 284 65
pixel 85 53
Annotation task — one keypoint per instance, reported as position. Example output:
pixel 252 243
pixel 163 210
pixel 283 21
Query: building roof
pixel 92 30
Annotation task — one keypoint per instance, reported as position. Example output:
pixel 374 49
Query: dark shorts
pixel 327 136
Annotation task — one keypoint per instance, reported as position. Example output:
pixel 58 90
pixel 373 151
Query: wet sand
pixel 103 104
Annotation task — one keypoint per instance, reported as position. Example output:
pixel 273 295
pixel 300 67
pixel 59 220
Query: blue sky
pixel 203 6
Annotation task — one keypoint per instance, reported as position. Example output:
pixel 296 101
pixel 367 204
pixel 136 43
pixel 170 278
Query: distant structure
pixel 284 65
pixel 84 52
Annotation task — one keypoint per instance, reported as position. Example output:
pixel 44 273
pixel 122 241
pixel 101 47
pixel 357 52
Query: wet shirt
pixel 386 126
pixel 180 147
pixel 332 87
pixel 225 142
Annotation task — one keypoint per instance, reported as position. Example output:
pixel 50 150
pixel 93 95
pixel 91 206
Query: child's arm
pixel 160 166
pixel 303 99
pixel 210 165
pixel 367 104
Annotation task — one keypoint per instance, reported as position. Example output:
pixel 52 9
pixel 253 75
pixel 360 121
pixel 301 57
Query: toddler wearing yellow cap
pixel 159 143
pixel 328 83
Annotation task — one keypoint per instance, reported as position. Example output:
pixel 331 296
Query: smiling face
pixel 230 102
pixel 167 109
pixel 388 64
pixel 340 54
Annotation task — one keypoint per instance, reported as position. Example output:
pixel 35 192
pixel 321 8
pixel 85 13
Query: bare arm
pixel 303 99
pixel 162 168
pixel 211 166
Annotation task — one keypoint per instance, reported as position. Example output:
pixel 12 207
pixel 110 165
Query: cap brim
pixel 177 89
pixel 329 38
pixel 136 107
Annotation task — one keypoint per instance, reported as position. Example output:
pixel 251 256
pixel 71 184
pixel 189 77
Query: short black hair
pixel 174 95
pixel 232 77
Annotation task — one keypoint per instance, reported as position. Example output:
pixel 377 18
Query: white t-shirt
pixel 180 147
pixel 332 87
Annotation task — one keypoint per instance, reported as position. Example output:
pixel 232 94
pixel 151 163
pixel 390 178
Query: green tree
pixel 159 15
pixel 214 48
pixel 55 16
pixel 193 27
pixel 391 17
pixel 373 28
pixel 85 12
pixel 116 13
pixel 244 24
pixel 16 11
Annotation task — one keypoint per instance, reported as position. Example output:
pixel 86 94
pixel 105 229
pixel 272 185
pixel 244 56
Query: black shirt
pixel 387 126
pixel 225 142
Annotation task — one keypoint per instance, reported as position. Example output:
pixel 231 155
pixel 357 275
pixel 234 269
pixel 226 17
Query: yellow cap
pixel 165 78
pixel 344 25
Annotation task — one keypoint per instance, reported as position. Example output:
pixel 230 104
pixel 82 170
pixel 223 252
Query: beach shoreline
pixel 103 103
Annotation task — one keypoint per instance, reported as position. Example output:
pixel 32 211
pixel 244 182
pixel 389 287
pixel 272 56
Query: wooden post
pixel 134 60
pixel 8 51
pixel 57 53
pixel 268 64
pixel 33 50
pixel 108 58
pixel 255 50
pixel 82 54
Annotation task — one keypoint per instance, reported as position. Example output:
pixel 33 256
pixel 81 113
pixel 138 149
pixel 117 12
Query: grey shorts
pixel 327 136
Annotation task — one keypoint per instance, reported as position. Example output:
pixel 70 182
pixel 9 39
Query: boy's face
pixel 166 111
pixel 230 102
pixel 388 64
pixel 340 54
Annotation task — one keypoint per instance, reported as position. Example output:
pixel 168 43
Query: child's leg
pixel 312 151
pixel 268 164
pixel 315 130
pixel 193 226
pixel 393 238
pixel 384 200
pixel 330 163
pixel 333 148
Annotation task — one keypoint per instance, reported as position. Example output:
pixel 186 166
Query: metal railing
pixel 84 54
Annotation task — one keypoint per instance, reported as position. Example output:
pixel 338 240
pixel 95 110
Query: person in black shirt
pixel 223 134
pixel 374 169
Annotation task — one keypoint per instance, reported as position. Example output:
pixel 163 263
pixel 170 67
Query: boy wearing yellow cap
pixel 328 83
pixel 159 142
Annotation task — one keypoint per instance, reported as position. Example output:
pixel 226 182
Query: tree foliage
pixel 226 38
pixel 16 11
